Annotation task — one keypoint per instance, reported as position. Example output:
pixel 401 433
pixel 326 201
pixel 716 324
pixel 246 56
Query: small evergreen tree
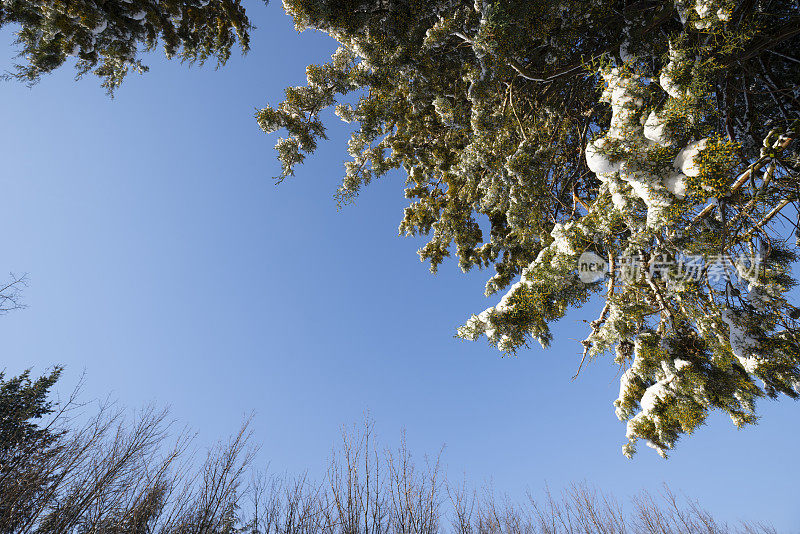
pixel 23 445
pixel 659 136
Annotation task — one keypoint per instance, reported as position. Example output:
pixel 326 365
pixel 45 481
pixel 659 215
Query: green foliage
pixel 23 404
pixel 108 37
pixel 498 111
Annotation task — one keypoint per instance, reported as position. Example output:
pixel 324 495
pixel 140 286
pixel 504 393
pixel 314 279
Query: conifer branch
pixel 771 215
pixel 742 179
pixel 598 323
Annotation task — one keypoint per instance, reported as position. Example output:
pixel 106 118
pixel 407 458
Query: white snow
pixel 706 11
pixel 618 200
pixel 665 79
pixel 680 364
pixel 740 342
pixel 560 240
pixel 703 8
pixel 654 129
pixel 654 446
pixel 622 92
pixel 672 89
pixel 649 188
pixel 676 184
pixel 653 394
pixel 503 305
pixel 270 127
pixel 687 159
pixel 598 162
pixel 630 433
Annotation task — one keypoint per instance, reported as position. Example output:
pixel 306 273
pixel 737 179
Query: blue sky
pixel 164 262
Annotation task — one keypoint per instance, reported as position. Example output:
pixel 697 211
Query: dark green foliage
pixel 494 108
pixel 22 403
pixel 24 444
pixel 108 37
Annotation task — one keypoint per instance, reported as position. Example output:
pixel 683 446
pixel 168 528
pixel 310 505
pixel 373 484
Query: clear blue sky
pixel 165 262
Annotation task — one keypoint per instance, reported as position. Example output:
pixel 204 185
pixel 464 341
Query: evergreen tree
pixel 24 444
pixel 107 36
pixel 659 137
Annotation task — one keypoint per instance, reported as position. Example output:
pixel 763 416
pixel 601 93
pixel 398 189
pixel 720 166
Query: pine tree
pixel 107 37
pixel 659 136
pixel 24 443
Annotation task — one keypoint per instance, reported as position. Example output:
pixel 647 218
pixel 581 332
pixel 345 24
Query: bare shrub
pixel 119 474
pixel 114 474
